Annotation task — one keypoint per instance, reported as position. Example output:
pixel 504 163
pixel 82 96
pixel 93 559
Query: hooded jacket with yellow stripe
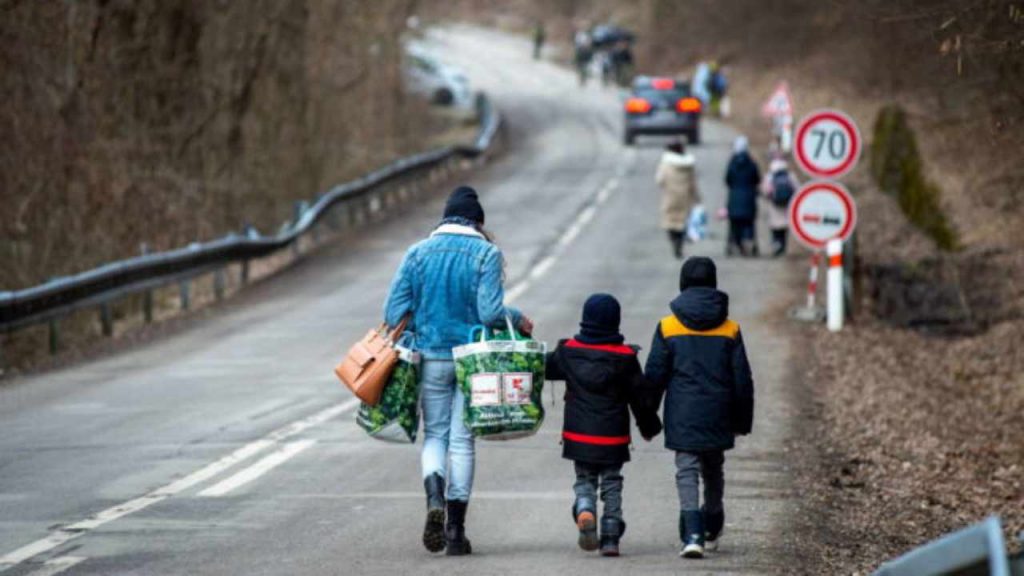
pixel 698 360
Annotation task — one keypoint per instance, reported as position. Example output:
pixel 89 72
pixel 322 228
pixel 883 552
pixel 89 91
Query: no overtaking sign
pixel 822 211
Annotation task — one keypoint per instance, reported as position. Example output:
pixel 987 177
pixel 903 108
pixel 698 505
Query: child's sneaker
pixel 586 522
pixel 611 530
pixel 691 532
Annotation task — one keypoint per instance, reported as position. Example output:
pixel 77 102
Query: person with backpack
pixel 779 187
pixel 603 382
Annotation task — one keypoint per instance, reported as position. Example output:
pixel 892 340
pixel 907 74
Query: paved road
pixel 229 448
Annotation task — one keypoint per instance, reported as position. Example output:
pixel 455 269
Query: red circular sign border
pixel 839 190
pixel 843 120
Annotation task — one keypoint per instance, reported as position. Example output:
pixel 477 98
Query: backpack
pixel 782 188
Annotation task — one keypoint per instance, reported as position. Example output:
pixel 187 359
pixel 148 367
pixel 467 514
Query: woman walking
pixel 447 284
pixel 678 182
pixel 742 177
pixel 779 187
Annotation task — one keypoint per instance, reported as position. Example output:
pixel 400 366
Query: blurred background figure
pixel 584 51
pixel 677 178
pixel 701 82
pixel 778 187
pixel 539 36
pixel 718 86
pixel 743 178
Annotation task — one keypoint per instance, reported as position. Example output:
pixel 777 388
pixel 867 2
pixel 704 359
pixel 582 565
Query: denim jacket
pixel 450 282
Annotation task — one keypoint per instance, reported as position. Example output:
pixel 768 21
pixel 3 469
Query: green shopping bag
pixel 396 418
pixel 501 377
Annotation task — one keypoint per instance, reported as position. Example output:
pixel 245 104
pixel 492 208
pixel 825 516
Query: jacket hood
pixel 673 159
pixel 700 308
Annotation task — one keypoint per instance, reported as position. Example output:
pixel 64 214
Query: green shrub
pixel 896 167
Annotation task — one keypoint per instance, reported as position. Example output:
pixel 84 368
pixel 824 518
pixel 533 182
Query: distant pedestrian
pixel 447 284
pixel 603 382
pixel 584 51
pixel 718 87
pixel 778 187
pixel 698 359
pixel 742 178
pixel 676 176
pixel 539 36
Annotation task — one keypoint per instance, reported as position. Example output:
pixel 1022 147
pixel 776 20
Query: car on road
pixel 426 75
pixel 661 106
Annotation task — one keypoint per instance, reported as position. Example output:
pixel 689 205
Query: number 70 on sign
pixel 828 144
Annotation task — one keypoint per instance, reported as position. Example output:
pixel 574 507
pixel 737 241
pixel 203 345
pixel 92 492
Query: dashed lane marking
pixel 261 467
pixel 72 531
pixel 567 237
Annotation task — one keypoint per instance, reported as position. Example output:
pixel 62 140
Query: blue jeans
pixel 445 434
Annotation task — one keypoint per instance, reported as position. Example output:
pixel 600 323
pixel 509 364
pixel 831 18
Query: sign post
pixel 779 108
pixel 827 146
pixel 820 213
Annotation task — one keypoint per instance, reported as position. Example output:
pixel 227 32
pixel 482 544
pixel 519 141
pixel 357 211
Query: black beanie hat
pixel 698 271
pixel 600 323
pixel 464 203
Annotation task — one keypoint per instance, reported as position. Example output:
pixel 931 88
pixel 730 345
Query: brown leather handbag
pixel 367 366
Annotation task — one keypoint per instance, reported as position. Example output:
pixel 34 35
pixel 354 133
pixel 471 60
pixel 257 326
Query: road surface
pixel 229 448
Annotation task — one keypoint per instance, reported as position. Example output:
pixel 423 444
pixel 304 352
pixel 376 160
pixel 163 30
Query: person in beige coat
pixel 677 178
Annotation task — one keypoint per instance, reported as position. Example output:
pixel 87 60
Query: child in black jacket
pixel 603 380
pixel 699 360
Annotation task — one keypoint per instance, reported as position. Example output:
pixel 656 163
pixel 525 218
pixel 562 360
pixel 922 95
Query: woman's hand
pixel 526 326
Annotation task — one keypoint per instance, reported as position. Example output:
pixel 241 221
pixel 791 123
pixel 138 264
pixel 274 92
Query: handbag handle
pixel 395 334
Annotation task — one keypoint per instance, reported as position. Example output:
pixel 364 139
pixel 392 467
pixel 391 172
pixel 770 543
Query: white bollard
pixel 834 250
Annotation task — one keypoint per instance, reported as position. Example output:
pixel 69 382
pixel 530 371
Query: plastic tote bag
pixel 396 418
pixel 501 377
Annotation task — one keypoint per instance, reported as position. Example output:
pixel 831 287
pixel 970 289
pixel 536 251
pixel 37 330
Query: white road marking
pixel 56 566
pixel 477 495
pixel 261 467
pixel 562 244
pixel 72 531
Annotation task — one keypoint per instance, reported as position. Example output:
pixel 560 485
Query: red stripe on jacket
pixel 613 348
pixel 596 440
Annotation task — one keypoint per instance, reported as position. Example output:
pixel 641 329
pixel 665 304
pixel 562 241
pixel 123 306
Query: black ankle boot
pixel 584 513
pixel 433 531
pixel 455 530
pixel 612 530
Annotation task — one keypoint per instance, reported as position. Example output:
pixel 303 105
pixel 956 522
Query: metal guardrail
pixel 975 550
pixel 101 285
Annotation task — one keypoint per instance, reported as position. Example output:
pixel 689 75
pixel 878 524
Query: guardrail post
pixel 298 208
pixel 184 291
pixel 54 336
pixel 147 296
pixel 106 320
pixel 218 284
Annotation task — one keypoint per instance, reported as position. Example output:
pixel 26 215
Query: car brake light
pixel 638 106
pixel 688 105
pixel 663 83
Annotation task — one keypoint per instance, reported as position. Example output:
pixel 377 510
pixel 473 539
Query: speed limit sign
pixel 828 144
